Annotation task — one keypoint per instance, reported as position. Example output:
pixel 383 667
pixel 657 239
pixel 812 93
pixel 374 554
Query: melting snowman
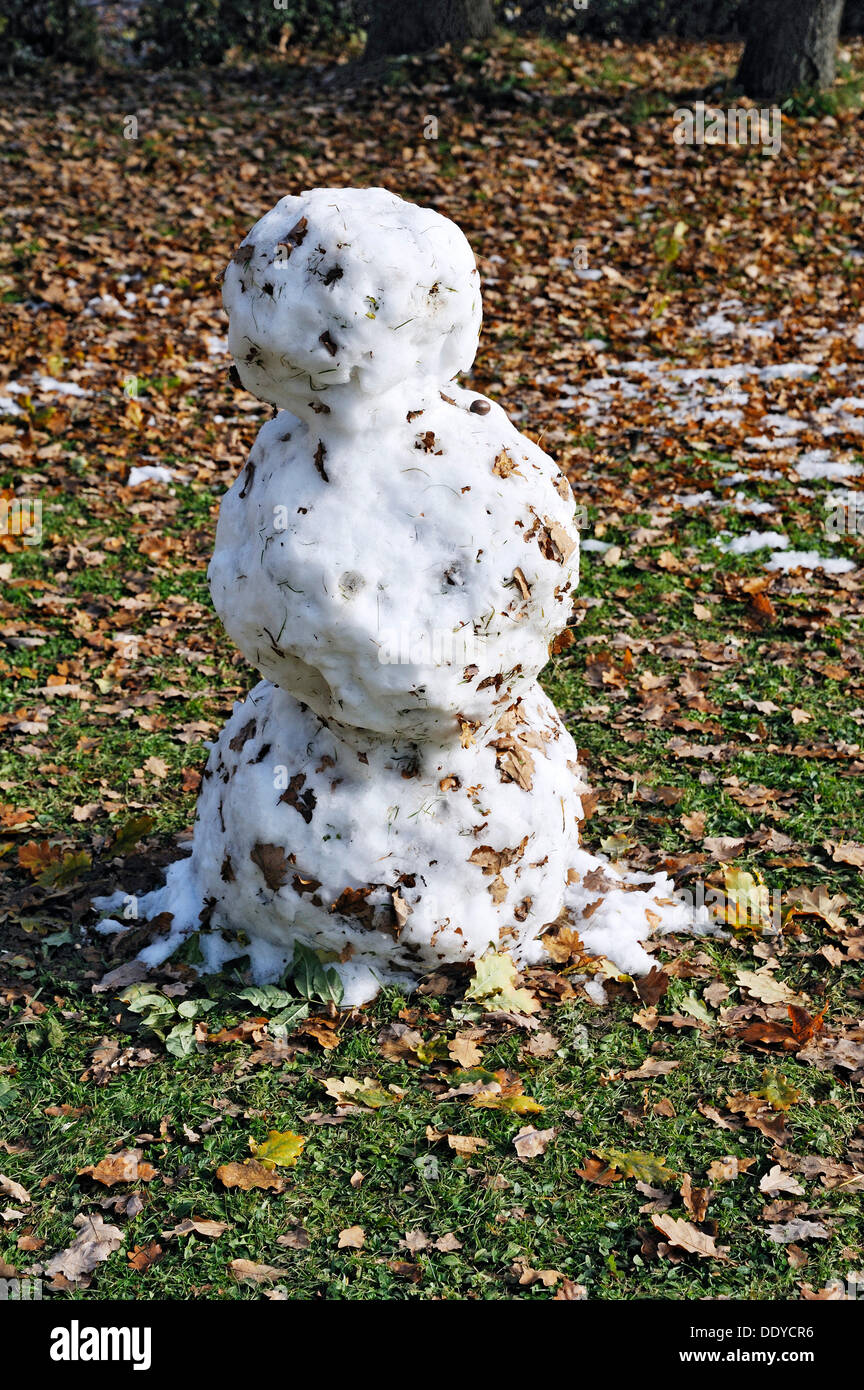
pixel 395 558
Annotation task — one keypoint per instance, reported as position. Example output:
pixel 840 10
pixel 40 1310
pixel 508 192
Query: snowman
pixel 395 559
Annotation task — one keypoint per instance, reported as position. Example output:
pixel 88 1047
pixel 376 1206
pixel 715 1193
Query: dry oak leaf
pixel 246 1271
pixel 464 1051
pixel 598 1171
pixel 571 1293
pixel 141 1257
pixel 280 1148
pixel 779 1181
pixel 729 1168
pixel 125 1166
pixel 685 1236
pixel 762 985
pixel 465 1143
pixel 10 1188
pixel 352 1238
pixel 199 1225
pixel 400 1043
pixel 295 1239
pixel 531 1142
pixel 271 860
pixel 448 1243
pixel 847 853
pixel 695 1198
pixel 797 1230
pixel 250 1028
pixel 652 1066
pixel 93 1244
pixel 248 1175
pixel 322 1031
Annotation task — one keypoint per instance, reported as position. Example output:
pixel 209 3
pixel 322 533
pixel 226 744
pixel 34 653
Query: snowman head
pixel 341 294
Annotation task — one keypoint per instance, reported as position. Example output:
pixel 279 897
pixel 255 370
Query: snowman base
pixel 394 858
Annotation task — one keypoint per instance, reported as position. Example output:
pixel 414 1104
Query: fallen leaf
pixel 279 1148
pixel 685 1236
pixel 126 1166
pixel 94 1243
pixel 246 1271
pixel 248 1175
pixel 531 1142
pixel 352 1238
pixel 141 1257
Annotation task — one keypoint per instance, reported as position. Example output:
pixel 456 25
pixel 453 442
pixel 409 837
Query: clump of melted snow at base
pixel 395 558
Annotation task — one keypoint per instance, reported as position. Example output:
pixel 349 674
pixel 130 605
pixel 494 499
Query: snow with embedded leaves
pixel 395 558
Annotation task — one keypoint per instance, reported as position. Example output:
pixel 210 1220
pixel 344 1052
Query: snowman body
pixel 395 559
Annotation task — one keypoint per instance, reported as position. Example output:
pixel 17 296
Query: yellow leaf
pixel 279 1148
pixel 494 985
pixel 520 1105
pixel 779 1093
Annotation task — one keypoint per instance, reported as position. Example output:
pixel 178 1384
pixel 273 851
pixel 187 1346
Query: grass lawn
pixel 717 705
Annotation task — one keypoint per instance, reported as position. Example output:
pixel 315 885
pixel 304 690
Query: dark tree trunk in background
pixel 412 26
pixel 791 44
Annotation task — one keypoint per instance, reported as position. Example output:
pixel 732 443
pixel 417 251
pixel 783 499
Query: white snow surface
pixel 149 472
pixel 395 558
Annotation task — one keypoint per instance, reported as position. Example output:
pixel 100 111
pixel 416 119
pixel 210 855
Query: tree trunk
pixel 791 45
pixel 412 26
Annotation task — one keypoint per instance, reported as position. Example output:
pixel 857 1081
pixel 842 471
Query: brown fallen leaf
pixel 352 1238
pixel 141 1257
pixel 779 1181
pixel 125 1166
pixel 250 1028
pixel 652 1066
pixel 695 1198
pixel 400 1043
pixel 466 1143
pixel 847 853
pixel 685 1236
pixel 729 1168
pixel 797 1229
pixel 94 1243
pixel 10 1188
pixel 248 1175
pixel 531 1142
pixel 448 1243
pixel 571 1293
pixel 199 1226
pixel 295 1239
pixel 322 1031
pixel 600 1172
pixel 246 1271
pixel 464 1051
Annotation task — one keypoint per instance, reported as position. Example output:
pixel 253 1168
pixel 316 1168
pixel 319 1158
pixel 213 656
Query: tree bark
pixel 791 45
pixel 412 26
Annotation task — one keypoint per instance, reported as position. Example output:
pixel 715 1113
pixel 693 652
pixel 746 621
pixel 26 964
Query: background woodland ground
pixel 717 704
